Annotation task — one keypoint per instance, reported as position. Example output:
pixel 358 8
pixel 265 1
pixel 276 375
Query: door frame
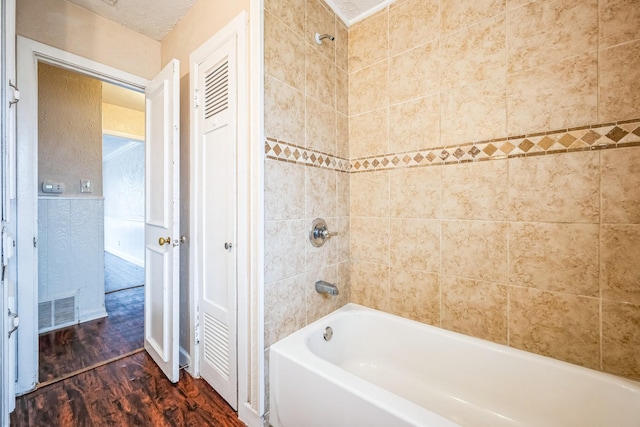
pixel 29 53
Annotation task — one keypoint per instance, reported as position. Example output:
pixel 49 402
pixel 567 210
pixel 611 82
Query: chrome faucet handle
pixel 319 232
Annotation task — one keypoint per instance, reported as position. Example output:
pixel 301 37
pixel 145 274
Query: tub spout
pixel 323 287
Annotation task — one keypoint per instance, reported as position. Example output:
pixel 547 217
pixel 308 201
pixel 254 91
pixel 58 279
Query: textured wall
pixel 533 251
pixel 71 28
pixel 69 129
pixel 70 252
pixel 123 121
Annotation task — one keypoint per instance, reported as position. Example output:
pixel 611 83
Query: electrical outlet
pixel 85 186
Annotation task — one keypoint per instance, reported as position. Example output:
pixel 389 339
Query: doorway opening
pixel 90 222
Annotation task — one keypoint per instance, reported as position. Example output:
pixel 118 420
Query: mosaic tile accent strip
pixel 283 151
pixel 596 137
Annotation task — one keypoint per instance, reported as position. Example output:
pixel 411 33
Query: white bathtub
pixel 383 370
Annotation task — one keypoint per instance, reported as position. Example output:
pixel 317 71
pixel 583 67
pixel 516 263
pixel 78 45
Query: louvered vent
pixel 216 344
pixel 64 310
pixel 56 313
pixel 216 90
pixel 44 315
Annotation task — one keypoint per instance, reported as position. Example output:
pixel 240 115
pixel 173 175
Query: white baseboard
pixel 125 256
pixel 249 416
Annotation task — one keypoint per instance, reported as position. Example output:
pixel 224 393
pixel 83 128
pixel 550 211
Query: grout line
pixel 87 369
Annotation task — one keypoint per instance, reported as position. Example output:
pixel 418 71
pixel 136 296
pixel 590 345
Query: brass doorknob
pixel 163 241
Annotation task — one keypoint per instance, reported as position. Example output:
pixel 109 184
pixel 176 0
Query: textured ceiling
pixel 352 11
pixel 152 18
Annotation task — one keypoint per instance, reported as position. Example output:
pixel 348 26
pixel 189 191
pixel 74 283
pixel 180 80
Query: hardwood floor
pixel 129 392
pixel 70 349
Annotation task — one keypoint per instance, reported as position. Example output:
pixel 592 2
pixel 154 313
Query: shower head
pixel 320 37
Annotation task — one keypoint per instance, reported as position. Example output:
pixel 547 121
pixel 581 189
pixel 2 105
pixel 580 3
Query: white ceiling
pixel 155 18
pixel 152 18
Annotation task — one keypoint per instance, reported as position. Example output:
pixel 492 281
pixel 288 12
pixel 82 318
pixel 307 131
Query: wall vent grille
pixel 57 313
pixel 216 90
pixel 216 344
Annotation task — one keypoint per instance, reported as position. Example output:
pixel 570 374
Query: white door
pixel 162 220
pixel 214 188
pixel 8 318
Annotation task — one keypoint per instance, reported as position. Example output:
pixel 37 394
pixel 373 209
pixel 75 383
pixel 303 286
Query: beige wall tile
pixel 475 191
pixel 368 41
pixel 415 295
pixel 342 91
pixel 475 308
pixel 283 53
pixel 284 254
pixel 561 326
pixel 619 272
pixel 283 112
pixel 474 54
pixel 621 339
pixel 291 12
pixel 342 136
pixel 369 88
pixel 415 73
pixel 342 45
pixel 342 225
pixel 370 240
pixel 370 285
pixel 618 21
pixel 475 112
pixel 513 4
pixel 283 190
pixel 468 245
pixel 344 282
pixel 320 193
pixel 548 31
pixel 553 96
pixel 459 14
pixel 415 192
pixel 320 19
pixel 343 188
pixel 555 257
pixel 620 185
pixel 411 23
pixel 320 77
pixel 370 194
pixel 619 79
pixel 319 305
pixel 285 308
pixel 415 244
pixel 321 127
pixel 557 188
pixel 415 124
pixel 369 134
pixel 324 256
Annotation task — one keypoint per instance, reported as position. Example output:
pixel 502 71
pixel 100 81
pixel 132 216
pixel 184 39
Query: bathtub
pixel 380 370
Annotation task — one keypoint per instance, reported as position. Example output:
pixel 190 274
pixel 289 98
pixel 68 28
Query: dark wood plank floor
pixel 129 392
pixel 70 349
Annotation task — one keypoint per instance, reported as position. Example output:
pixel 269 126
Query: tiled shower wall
pixel 537 246
pixel 305 122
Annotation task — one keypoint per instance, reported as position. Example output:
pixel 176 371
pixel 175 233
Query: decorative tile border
pixel 283 151
pixel 595 137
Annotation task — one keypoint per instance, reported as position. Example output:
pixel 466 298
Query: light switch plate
pixel 85 186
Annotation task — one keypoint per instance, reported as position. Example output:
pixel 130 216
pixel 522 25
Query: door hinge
pixel 35 242
pixel 196 332
pixel 196 104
